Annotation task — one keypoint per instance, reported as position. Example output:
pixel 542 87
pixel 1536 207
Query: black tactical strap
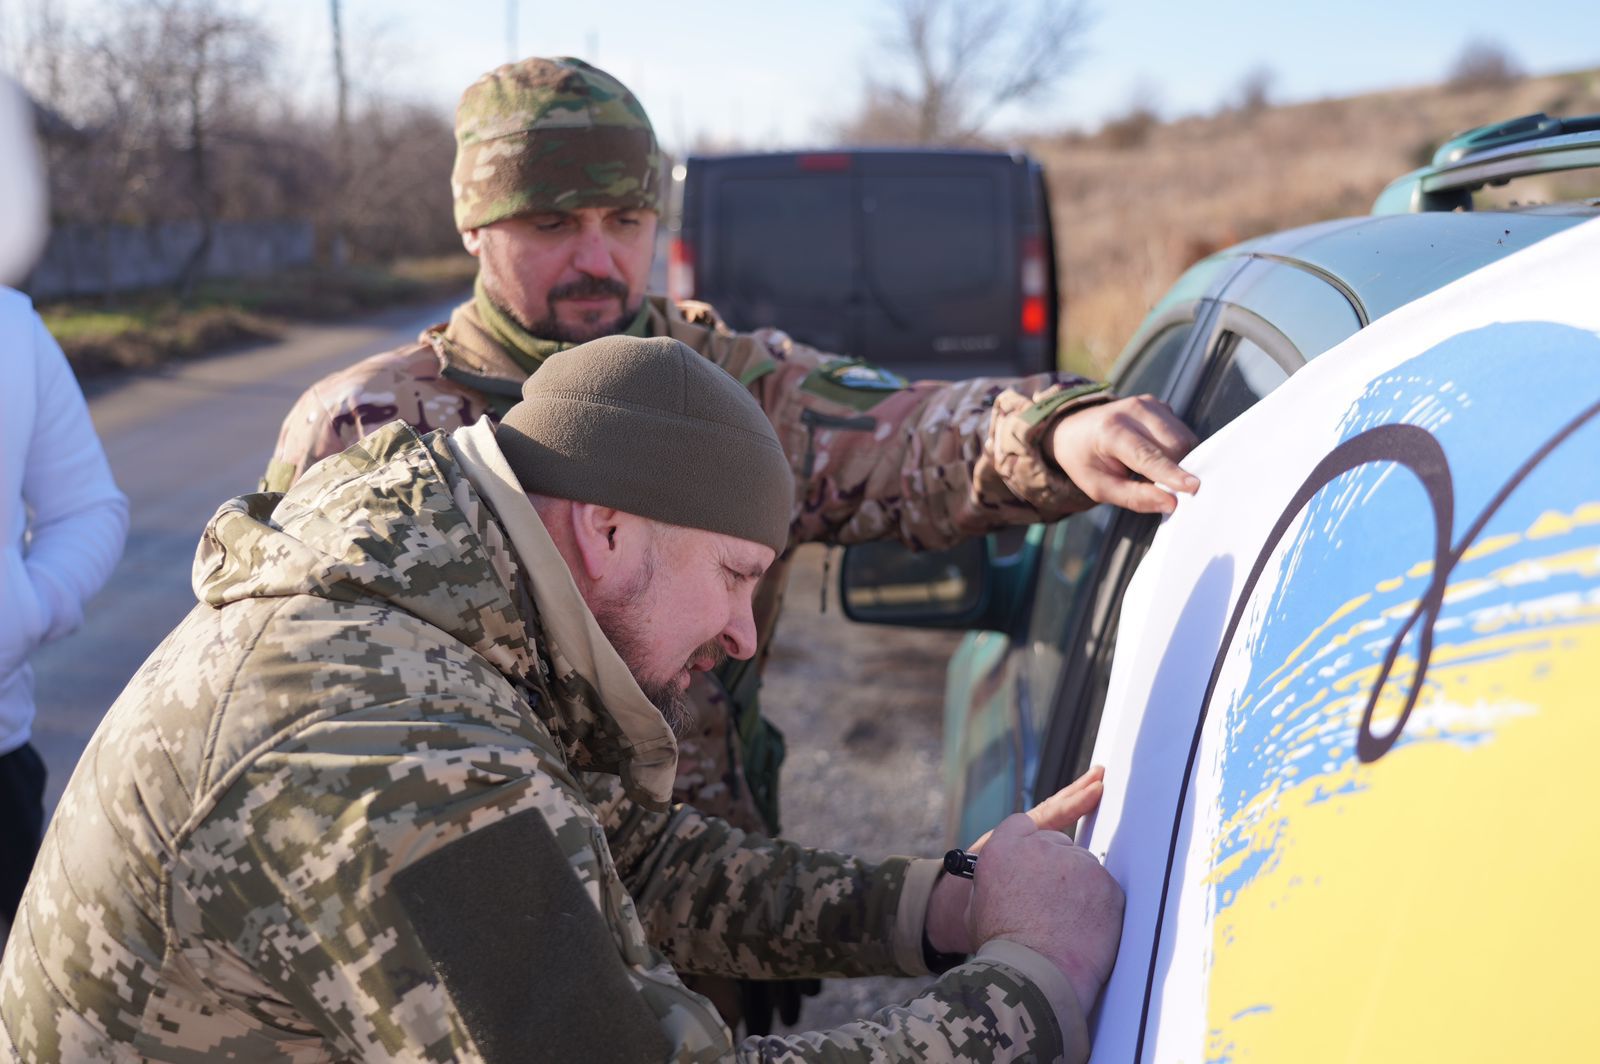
pixel 938 963
pixel 761 743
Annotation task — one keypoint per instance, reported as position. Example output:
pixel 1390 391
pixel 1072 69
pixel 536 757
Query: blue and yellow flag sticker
pixel 853 383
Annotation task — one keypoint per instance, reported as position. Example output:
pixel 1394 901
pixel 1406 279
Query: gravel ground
pixel 861 708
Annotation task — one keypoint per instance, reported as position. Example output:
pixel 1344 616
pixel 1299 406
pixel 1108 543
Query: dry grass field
pixel 1136 203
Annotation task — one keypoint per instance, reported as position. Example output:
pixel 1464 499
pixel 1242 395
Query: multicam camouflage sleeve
pixel 875 456
pixel 357 401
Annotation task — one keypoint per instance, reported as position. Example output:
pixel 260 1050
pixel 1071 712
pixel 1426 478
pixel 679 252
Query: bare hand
pixel 1063 809
pixel 1103 447
pixel 948 930
pixel 1041 890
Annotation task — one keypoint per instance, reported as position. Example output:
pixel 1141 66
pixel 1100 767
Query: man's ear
pixel 594 535
pixel 472 242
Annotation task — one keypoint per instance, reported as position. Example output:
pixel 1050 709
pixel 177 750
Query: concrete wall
pixel 89 260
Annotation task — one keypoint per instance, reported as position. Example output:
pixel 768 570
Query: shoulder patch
pixel 505 921
pixel 854 383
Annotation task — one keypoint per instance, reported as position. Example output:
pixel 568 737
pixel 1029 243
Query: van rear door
pixel 775 242
pixel 930 262
pixel 938 263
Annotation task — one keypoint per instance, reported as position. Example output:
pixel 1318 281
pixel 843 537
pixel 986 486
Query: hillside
pixel 1138 202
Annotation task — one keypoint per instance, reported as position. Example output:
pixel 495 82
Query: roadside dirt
pixel 861 708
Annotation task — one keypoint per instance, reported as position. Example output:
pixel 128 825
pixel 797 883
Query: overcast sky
pixel 774 74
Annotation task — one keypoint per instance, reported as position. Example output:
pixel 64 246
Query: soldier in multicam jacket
pixel 342 813
pixel 557 185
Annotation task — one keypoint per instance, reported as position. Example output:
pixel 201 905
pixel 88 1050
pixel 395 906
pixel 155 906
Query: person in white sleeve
pixel 63 523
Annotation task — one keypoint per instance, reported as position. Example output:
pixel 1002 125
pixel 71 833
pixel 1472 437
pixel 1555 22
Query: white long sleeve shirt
pixel 62 519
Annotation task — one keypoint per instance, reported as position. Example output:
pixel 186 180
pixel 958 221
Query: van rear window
pixel 785 240
pixel 941 233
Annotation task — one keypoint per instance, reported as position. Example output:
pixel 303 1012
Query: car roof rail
pixel 1493 155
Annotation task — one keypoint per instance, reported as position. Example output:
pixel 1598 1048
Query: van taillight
pixel 824 162
pixel 1035 316
pixel 1034 275
pixel 680 269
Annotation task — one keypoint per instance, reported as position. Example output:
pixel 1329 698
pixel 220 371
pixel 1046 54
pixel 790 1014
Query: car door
pixel 1274 317
pixel 999 680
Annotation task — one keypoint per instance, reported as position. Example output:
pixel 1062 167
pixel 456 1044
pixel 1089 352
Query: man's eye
pixel 555 225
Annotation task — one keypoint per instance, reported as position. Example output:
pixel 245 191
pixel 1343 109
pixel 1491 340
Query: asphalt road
pixel 181 441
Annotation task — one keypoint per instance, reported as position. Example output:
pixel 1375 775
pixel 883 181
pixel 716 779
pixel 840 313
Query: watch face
pixel 22 186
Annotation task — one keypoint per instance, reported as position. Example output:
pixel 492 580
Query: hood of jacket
pixel 395 521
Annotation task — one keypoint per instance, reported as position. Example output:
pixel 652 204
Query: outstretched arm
pixel 934 462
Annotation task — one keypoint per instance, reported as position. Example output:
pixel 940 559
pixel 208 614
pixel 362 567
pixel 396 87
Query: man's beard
pixel 548 328
pixel 615 615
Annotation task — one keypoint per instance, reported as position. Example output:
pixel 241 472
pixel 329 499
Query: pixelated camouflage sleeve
pixel 379 877
pixel 716 900
pixel 928 462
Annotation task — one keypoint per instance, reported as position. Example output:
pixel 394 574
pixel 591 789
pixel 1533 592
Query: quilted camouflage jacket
pixel 388 794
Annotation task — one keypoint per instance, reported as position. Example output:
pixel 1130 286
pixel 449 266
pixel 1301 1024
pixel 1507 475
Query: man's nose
pixel 739 637
pixel 593 255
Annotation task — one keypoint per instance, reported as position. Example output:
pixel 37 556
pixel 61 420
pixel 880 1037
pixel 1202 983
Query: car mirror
pixel 888 583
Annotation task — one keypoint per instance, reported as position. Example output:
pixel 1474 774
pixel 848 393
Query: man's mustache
pixel 713 649
pixel 590 288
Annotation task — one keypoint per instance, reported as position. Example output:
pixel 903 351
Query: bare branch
pixel 954 63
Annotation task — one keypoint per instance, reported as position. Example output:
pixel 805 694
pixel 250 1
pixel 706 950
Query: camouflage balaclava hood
pixel 551 135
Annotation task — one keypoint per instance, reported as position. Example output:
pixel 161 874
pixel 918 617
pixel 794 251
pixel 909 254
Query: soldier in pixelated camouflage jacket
pixel 366 803
pixel 929 462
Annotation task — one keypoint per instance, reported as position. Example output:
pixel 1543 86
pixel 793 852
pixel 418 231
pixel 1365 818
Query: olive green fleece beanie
pixel 649 427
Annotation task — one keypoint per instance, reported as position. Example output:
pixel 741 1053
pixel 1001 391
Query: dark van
pixel 934 263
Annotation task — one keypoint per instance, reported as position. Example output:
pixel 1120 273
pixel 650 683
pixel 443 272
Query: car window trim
pixel 1111 569
pixel 1233 319
pixel 1321 274
pixel 1067 717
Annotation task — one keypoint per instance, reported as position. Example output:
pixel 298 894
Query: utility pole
pixel 341 83
pixel 512 53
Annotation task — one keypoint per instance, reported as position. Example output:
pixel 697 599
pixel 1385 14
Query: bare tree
pixel 219 60
pixel 956 62
pixel 1131 127
pixel 400 160
pixel 153 97
pixel 1254 93
pixel 167 111
pixel 1484 64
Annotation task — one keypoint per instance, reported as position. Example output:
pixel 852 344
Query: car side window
pixel 1074 546
pixel 1245 373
